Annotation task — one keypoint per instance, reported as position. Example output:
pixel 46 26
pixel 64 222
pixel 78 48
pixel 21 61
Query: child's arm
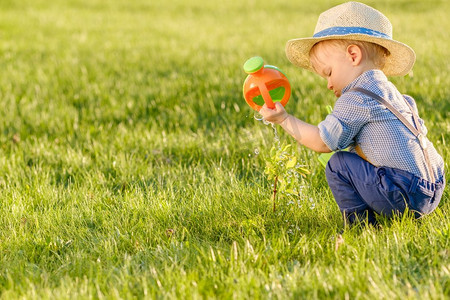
pixel 306 134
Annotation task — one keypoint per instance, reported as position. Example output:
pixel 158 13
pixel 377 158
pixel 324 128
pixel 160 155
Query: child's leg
pixel 360 188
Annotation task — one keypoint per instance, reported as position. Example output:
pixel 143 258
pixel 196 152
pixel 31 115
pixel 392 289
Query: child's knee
pixel 335 163
pixel 334 169
pixel 344 166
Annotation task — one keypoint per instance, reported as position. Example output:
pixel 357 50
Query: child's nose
pixel 329 85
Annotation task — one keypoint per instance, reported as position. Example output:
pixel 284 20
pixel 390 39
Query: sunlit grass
pixel 128 163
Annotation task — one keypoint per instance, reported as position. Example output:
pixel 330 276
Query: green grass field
pixel 131 166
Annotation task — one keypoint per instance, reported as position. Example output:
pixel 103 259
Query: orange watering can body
pixel 265 84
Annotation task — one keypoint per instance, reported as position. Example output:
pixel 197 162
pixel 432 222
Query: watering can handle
pixel 266 96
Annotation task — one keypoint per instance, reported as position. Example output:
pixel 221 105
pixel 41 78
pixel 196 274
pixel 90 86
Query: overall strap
pixel 416 131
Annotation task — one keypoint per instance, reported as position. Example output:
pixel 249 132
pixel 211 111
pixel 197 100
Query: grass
pixel 129 163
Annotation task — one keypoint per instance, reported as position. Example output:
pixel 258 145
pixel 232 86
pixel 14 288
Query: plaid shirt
pixel 360 120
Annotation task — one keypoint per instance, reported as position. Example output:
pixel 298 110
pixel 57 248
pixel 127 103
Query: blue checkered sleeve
pixel 339 129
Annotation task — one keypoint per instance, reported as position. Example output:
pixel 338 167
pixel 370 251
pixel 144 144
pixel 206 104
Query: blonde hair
pixel 373 52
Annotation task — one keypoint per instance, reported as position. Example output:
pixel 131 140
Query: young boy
pixel 390 165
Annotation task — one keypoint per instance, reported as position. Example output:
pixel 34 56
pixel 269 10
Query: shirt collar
pixel 364 78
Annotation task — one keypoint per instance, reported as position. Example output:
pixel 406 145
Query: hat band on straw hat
pixel 332 31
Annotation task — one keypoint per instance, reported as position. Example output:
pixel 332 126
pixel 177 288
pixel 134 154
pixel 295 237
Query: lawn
pixel 131 166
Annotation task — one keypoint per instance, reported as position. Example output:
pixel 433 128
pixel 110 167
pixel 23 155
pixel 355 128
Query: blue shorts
pixel 361 189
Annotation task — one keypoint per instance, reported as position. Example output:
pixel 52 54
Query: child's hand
pixel 276 115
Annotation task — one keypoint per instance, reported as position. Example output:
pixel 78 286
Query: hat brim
pixel 398 63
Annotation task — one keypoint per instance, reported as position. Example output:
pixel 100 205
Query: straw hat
pixel 354 21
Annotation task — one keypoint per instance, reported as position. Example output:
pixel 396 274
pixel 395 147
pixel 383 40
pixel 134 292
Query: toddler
pixel 390 165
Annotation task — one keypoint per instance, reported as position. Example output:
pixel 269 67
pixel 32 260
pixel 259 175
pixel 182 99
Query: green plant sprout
pixel 283 168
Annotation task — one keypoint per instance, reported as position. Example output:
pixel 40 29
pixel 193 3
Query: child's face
pixel 335 65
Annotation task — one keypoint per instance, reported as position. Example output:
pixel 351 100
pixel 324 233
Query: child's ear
pixel 354 53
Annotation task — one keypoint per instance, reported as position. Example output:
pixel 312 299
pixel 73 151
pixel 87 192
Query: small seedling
pixel 283 168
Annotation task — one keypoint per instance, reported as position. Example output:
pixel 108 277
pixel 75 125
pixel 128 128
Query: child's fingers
pixel 275 115
pixel 279 107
